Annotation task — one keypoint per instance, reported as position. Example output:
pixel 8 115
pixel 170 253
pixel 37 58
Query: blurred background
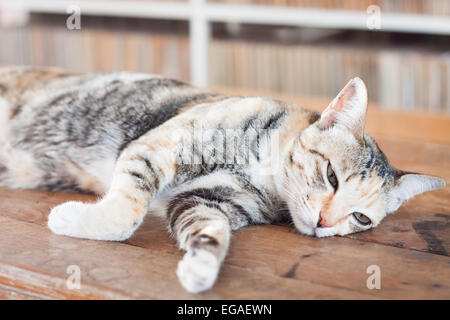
pixel 400 48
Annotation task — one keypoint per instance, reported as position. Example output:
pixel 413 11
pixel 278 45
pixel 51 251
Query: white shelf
pixel 136 9
pixel 319 18
pixel 200 14
pixel 257 14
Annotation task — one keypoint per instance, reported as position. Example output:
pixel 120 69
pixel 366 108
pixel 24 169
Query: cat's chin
pixel 324 232
pixel 303 228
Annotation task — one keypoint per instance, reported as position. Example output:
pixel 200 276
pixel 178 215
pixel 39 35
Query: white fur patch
pixel 198 272
pixel 99 221
pixel 65 219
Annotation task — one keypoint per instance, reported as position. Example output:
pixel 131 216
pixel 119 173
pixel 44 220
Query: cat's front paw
pixel 92 221
pixel 65 219
pixel 198 272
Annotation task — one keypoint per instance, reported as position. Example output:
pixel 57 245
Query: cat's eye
pixel 361 218
pixel 332 177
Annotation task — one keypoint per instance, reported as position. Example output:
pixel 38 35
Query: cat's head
pixel 337 180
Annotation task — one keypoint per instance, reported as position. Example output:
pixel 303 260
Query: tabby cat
pixel 206 162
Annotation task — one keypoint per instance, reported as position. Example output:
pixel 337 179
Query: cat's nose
pixel 322 223
pixel 319 223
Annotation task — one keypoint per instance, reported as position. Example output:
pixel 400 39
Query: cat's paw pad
pixel 198 272
pixel 65 218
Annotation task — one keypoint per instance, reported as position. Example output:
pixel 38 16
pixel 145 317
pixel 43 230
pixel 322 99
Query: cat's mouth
pixel 310 228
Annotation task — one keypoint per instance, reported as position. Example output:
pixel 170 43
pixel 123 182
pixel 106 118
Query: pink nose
pixel 322 223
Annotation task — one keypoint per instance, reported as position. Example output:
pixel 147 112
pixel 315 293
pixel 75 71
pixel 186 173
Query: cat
pixel 151 144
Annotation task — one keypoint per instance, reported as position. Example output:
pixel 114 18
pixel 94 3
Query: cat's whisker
pixel 308 210
pixel 301 201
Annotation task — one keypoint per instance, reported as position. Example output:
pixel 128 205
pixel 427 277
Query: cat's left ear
pixel 348 109
pixel 408 184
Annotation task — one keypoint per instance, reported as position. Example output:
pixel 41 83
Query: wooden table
pixel 411 247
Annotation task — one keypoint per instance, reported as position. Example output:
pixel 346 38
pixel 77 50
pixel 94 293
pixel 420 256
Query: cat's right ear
pixel 348 109
pixel 409 184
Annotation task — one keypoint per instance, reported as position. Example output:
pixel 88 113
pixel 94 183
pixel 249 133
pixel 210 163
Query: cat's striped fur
pixel 152 144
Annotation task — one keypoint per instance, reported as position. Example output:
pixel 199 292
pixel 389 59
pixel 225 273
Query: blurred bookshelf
pixel 296 47
pixel 104 45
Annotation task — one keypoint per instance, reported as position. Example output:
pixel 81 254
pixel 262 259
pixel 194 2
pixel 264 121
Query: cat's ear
pixel 408 184
pixel 348 109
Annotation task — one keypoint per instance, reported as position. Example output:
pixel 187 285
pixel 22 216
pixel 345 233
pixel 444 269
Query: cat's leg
pixel 143 168
pixel 201 215
pixel 204 232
